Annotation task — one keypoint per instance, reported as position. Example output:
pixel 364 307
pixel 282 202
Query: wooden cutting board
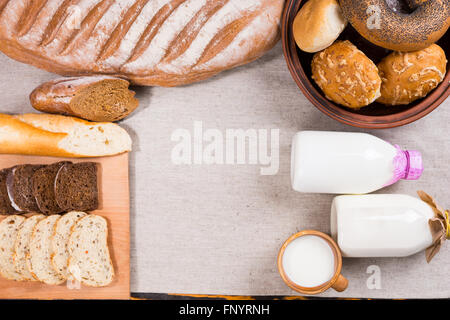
pixel 115 207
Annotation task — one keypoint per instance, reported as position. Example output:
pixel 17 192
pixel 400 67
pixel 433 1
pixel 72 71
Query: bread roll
pixel 318 24
pixel 407 77
pixel 60 136
pixel 98 98
pixel 346 75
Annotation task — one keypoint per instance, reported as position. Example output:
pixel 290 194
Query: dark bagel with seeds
pixel 425 22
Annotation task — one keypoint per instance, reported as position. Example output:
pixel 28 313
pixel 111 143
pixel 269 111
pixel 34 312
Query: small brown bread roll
pixel 346 75
pixel 318 24
pixel 98 98
pixel 407 77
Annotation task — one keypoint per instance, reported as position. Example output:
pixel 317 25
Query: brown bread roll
pixel 346 75
pixel 407 77
pixel 97 98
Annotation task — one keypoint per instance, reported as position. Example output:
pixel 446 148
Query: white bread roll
pixel 60 136
pixel 318 24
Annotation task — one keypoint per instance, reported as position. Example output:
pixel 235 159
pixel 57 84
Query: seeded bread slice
pixel 20 187
pixel 9 229
pixel 41 251
pixel 76 187
pixel 5 203
pixel 89 258
pixel 22 247
pixel 44 188
pixel 60 239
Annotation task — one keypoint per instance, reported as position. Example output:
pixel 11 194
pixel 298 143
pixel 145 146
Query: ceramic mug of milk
pixel 310 262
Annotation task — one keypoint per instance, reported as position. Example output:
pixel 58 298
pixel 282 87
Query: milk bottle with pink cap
pixel 349 163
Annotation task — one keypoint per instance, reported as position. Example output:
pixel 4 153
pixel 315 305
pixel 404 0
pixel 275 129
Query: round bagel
pixel 427 22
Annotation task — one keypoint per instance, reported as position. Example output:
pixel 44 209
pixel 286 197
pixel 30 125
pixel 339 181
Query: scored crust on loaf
pixel 9 229
pixel 22 247
pixel 76 187
pixel 41 251
pixel 90 261
pixel 154 42
pixel 95 98
pixel 60 239
pixel 82 137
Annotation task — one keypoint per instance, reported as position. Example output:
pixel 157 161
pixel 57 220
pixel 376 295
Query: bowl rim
pixel 438 96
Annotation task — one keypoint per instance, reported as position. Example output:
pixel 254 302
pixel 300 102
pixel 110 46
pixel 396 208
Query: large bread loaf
pixel 150 42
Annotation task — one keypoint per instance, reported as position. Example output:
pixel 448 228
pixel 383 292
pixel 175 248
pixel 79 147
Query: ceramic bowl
pixel 374 116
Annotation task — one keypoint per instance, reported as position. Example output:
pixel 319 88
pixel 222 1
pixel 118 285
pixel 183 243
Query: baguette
pixel 60 136
pixel 150 42
pixel 98 98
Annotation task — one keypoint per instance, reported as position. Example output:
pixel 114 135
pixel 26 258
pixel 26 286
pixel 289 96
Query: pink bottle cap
pixel 414 167
pixel 407 165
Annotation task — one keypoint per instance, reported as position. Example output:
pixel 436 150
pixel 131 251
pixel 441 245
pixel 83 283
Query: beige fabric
pixel 217 229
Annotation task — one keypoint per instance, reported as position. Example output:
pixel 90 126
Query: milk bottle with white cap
pixel 348 162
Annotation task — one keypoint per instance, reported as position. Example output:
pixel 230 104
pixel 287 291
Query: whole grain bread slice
pixel 89 258
pixel 5 203
pixel 44 188
pixel 22 247
pixel 20 187
pixel 76 187
pixel 60 239
pixel 41 251
pixel 9 229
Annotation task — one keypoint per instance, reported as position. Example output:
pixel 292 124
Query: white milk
pixel 345 162
pixel 380 225
pixel 308 261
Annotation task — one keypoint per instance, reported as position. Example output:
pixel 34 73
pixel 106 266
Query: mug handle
pixel 341 283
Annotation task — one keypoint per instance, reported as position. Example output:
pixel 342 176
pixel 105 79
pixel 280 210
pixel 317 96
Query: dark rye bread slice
pixel 20 187
pixel 44 188
pixel 5 204
pixel 76 187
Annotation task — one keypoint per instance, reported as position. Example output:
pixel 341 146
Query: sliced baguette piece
pixel 94 98
pixel 89 258
pixel 22 247
pixel 60 136
pixel 60 239
pixel 41 251
pixel 9 229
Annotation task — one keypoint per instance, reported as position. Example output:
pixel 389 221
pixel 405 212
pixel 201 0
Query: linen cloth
pixel 217 228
